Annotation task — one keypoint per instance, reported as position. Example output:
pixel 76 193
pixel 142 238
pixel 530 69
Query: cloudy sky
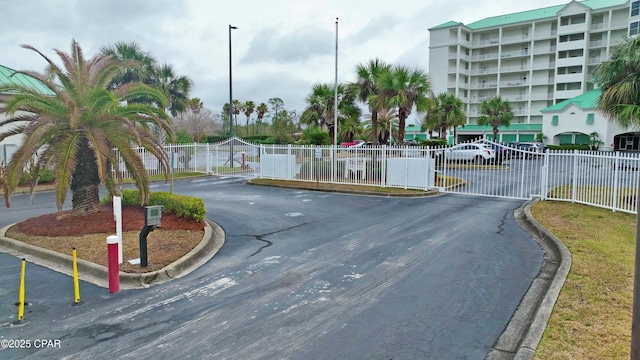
pixel 281 47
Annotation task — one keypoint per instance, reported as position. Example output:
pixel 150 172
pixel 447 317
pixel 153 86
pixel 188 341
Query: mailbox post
pixel 152 220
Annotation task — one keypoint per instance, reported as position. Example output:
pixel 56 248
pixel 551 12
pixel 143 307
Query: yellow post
pixel 76 284
pixel 21 294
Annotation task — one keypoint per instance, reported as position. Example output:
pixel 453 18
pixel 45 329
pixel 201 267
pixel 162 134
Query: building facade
pixel 535 59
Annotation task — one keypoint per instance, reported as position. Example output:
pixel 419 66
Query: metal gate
pixel 233 157
pixel 514 172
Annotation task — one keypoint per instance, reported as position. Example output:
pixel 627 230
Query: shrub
pixel 569 147
pixel 181 205
pixel 44 176
pixel 433 142
pixel 314 136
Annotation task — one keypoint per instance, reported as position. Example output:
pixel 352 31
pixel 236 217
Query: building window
pixel 590 118
pixel 635 8
pixel 554 120
pixel 634 28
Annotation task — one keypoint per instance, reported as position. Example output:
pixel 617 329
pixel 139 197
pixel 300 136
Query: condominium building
pixel 535 59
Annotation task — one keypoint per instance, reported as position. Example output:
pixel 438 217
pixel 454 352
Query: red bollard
pixel 244 167
pixel 112 261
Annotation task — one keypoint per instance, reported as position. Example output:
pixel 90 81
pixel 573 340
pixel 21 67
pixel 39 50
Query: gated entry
pixel 233 157
pixel 513 173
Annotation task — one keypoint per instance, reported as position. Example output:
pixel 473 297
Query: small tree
pixel 594 141
pixel 197 122
pixel 314 136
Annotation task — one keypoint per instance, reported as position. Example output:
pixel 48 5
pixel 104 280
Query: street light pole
pixel 230 101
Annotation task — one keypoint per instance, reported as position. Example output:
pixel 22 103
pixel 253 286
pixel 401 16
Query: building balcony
pixel 453 56
pixel 619 24
pixel 484 85
pixel 485 42
pixel 479 99
pixel 544 66
pixel 543 97
pixel 515 98
pixel 508 54
pixel 513 83
pixel 453 84
pixel 514 68
pixel 491 56
pixel 542 81
pixel 597 43
pixel 595 60
pixel 483 71
pixel 544 50
pixel 516 38
pixel 545 34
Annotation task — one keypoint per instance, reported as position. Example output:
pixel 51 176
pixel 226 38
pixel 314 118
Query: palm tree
pixel 262 110
pixel 130 52
pixel 236 108
pixel 249 107
pixel 495 112
pixel 449 111
pixel 76 129
pixel 321 105
pixel 366 89
pixel 402 88
pixel 431 118
pixel 619 79
pixel 175 88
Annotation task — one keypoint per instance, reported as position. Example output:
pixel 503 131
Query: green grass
pixel 592 317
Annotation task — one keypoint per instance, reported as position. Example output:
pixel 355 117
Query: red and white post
pixel 113 263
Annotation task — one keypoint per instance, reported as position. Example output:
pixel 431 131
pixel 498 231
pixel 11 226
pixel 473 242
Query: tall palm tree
pixel 249 107
pixel 449 110
pixel 321 104
pixel 403 88
pixel 175 88
pixel 236 108
pixel 366 89
pixel 495 112
pixel 130 52
pixel 76 129
pixel 619 79
pixel 262 110
pixel 431 118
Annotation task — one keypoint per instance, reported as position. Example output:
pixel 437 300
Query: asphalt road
pixel 302 275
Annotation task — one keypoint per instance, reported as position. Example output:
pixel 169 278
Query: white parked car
pixel 478 153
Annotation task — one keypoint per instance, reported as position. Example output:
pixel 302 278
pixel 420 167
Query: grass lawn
pixel 592 317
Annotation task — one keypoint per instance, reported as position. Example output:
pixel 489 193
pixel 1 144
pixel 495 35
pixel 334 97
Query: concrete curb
pixel 211 243
pixel 524 331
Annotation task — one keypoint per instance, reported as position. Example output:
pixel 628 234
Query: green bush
pixel 44 176
pixel 568 147
pixel 314 136
pixel 433 142
pixel 181 205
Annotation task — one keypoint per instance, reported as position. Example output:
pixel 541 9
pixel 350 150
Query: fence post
pixel 261 149
pixel 544 177
pixel 207 160
pixel 289 162
pixel 383 172
pixel 615 181
pixel 195 157
pixel 574 181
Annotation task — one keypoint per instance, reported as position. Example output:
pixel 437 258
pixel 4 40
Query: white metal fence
pixel 603 179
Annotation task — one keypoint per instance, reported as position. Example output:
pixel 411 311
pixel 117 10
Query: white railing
pixel 603 179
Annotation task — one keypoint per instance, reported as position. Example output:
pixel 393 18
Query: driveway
pixel 303 275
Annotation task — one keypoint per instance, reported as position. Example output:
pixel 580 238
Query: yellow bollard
pixel 76 283
pixel 21 294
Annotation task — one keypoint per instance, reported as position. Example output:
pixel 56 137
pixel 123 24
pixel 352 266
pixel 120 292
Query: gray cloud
pixel 295 47
pixel 375 28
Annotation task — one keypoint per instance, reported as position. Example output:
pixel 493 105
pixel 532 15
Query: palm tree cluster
pixel 385 89
pixel 98 104
pixel 163 77
pixel 247 108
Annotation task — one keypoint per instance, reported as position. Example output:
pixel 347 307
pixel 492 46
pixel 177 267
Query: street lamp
pixel 230 101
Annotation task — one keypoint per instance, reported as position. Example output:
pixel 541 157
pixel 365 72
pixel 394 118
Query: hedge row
pixel 181 205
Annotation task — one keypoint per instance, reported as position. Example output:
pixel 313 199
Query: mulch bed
pixel 63 224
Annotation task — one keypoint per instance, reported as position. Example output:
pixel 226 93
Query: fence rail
pixel 604 179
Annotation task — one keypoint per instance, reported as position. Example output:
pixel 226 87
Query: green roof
pixel 588 100
pixel 447 24
pixel 9 76
pixel 531 15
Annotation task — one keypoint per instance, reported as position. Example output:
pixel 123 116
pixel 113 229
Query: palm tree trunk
pixel 374 127
pixel 85 183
